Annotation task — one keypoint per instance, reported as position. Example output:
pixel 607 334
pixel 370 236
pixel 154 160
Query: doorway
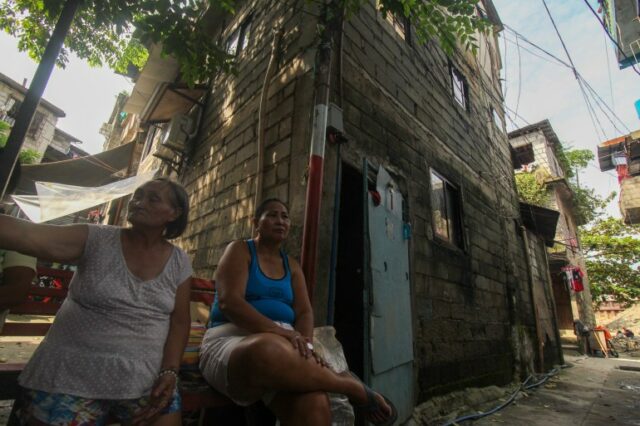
pixel 349 309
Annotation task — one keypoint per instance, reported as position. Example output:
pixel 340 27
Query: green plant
pixel 115 32
pixel 28 156
pixel 5 128
pixel 530 190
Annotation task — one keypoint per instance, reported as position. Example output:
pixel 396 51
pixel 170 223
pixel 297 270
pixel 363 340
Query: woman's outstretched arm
pixel 47 242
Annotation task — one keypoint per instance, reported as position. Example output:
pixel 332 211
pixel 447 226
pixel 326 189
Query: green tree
pixel 588 205
pixel 612 251
pixel 114 32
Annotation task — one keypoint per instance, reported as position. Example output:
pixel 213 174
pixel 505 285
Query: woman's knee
pixel 261 350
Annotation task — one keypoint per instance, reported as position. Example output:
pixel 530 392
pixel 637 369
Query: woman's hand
pixel 161 395
pixel 304 345
pixel 301 343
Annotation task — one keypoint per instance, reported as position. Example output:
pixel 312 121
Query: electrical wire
pixel 524 386
pixel 575 72
pixel 606 52
pixel 559 61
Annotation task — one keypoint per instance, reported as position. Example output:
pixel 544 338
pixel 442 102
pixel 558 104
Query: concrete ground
pixel 592 392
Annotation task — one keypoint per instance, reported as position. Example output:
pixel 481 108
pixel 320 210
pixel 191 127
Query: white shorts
pixel 217 345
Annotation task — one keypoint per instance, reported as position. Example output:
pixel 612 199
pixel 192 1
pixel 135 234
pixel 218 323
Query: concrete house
pixel 421 259
pixel 622 154
pixel 43 136
pixel 572 302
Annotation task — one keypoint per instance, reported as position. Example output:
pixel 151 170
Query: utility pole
pixel 333 22
pixel 9 155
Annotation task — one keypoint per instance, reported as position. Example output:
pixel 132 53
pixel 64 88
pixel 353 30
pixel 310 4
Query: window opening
pixel 460 91
pixel 239 38
pixel 153 134
pixel 445 205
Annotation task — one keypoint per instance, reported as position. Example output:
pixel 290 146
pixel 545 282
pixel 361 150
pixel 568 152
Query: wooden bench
pixel 47 301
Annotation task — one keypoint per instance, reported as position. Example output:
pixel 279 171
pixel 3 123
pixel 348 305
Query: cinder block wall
pixel 221 172
pixel 471 310
pixel 399 112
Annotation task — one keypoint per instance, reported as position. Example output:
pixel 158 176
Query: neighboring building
pixel 62 148
pixel 572 296
pixel 436 295
pixel 621 19
pixel 42 136
pixel 608 310
pixel 622 154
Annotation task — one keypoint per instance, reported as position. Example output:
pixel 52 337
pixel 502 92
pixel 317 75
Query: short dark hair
pixel 180 200
pixel 263 206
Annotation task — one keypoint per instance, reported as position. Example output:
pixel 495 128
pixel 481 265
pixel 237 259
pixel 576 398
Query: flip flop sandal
pixel 373 406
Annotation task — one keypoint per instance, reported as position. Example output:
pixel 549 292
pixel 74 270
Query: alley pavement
pixel 589 392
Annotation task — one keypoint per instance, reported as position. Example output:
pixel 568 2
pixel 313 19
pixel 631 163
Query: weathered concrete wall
pixel 40 135
pixel 400 113
pixel 222 169
pixel 630 199
pixel 472 312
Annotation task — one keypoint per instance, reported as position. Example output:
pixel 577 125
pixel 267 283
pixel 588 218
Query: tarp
pixel 55 200
pixel 89 171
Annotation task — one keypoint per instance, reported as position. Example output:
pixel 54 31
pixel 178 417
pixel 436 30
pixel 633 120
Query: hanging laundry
pixel 572 276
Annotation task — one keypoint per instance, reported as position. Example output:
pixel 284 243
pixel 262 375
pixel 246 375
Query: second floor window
pixel 459 85
pixel 447 213
pixel 239 38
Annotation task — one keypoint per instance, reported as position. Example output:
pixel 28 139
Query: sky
pixel 535 88
pixel 538 89
pixel 86 94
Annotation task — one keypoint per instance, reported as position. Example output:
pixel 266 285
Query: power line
pixel 597 98
pixel 606 52
pixel 592 114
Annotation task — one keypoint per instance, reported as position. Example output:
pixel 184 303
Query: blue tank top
pixel 273 298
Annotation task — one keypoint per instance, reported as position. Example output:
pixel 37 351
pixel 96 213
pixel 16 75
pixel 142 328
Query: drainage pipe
pixel 264 95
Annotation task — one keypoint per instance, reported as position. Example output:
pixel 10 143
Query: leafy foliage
pixel 448 21
pixel 612 254
pixel 5 128
pixel 115 32
pixel 26 155
pixel 530 190
pixel 588 205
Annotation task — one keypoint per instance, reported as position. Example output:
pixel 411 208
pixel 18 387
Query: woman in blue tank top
pixel 260 341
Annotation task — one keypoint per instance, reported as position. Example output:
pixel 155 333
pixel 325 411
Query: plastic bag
pixel 330 349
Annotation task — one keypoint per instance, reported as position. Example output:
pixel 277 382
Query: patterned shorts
pixel 59 409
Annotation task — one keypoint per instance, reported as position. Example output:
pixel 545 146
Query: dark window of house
pixel 445 204
pixel 460 90
pixel 153 133
pixel 239 38
pixel 36 125
pixel 398 22
pixel 13 109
